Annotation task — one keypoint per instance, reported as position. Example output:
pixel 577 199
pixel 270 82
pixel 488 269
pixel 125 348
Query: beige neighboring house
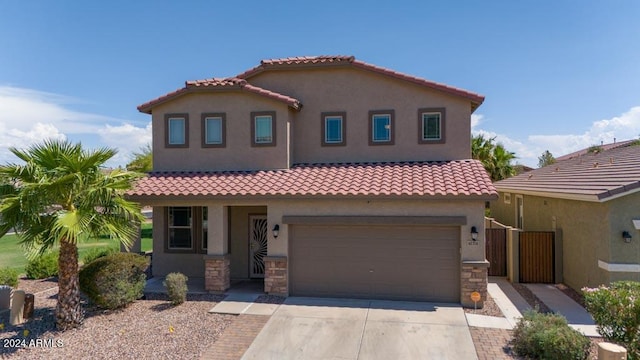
pixel 324 176
pixel 592 202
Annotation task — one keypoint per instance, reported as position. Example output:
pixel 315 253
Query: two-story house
pixel 326 176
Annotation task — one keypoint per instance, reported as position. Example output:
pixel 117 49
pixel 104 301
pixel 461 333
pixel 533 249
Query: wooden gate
pixel 497 251
pixel 537 257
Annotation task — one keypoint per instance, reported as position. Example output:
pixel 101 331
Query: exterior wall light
pixel 474 233
pixel 276 230
pixel 626 236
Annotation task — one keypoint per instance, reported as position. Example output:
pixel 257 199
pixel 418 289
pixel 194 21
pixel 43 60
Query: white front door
pixel 257 245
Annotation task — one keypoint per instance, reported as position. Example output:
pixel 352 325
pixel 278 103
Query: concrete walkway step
pixel 242 303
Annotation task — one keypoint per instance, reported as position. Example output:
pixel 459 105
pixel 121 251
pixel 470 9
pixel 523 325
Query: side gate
pixel 496 240
pixel 537 257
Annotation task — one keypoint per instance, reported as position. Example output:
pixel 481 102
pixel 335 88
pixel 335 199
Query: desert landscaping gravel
pixel 147 329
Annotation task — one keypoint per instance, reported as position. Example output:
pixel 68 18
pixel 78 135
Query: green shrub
pixel 548 336
pixel 9 276
pixel 616 310
pixel 176 284
pixel 43 266
pixel 96 253
pixel 115 280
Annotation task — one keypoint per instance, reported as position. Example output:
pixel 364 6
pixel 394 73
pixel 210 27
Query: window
pixel 381 127
pixel 431 123
pixel 179 225
pixel 214 130
pixel 333 128
pixel 205 228
pixel 186 229
pixel 263 128
pixel 177 130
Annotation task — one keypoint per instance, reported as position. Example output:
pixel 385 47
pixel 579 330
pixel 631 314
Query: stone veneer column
pixel 473 277
pixel 276 276
pixel 217 272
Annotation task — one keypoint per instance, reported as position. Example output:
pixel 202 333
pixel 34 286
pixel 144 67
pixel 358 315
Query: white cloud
pixel 476 119
pixel 30 116
pixel 619 128
pixel 127 139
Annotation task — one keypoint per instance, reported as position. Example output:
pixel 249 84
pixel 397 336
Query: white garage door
pixel 379 262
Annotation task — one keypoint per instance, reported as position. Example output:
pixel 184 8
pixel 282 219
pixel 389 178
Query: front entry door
pixel 257 245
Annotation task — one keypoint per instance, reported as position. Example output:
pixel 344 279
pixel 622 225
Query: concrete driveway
pixel 313 328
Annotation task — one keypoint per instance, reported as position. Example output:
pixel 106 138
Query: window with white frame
pixel 213 130
pixel 263 128
pixel 333 126
pixel 177 130
pixel 431 125
pixel 381 127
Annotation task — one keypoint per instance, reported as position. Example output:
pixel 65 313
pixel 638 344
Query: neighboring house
pixel 592 202
pixel 326 176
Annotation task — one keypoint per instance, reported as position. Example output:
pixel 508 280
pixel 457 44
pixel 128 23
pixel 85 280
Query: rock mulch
pixel 490 308
pixel 147 329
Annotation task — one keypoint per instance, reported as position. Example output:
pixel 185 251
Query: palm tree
pixel 60 195
pixel 495 158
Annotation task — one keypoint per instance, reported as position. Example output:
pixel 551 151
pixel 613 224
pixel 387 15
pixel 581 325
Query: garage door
pixel 379 262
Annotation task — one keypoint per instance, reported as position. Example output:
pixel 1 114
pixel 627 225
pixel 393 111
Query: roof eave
pixel 161 198
pixel 599 197
pixel 147 108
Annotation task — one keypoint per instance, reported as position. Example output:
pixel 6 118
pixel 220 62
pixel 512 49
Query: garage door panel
pixel 401 262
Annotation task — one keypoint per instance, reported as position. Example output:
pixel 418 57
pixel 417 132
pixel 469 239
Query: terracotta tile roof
pixel 604 147
pixel 326 60
pixel 590 177
pixel 233 83
pixel 452 179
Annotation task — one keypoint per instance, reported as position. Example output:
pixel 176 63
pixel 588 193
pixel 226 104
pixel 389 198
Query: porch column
pixel 217 262
pixel 474 278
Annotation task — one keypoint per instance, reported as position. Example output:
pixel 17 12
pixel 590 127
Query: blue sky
pixel 557 75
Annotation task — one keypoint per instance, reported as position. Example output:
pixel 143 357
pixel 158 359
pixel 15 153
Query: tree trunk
pixel 69 312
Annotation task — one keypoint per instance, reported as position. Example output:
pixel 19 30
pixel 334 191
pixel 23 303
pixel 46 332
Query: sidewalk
pixel 513 305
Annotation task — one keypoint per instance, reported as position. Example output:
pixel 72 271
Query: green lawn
pixel 12 255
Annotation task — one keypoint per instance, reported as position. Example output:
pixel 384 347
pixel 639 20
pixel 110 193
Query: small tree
pixel 142 161
pixel 546 159
pixel 57 196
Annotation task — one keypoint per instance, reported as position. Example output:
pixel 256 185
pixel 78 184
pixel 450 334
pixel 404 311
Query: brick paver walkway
pixel 491 343
pixel 236 338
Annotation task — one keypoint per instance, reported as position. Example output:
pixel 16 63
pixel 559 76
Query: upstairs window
pixel 263 128
pixel 431 125
pixel 214 130
pixel 177 130
pixel 381 127
pixel 334 128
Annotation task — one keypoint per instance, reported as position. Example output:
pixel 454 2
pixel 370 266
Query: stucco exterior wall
pixel 238 153
pixel 591 232
pixel 191 265
pixel 356 92
pixel 623 211
pixel 239 210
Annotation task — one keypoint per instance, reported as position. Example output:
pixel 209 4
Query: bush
pixel 616 310
pixel 9 276
pixel 42 267
pixel 96 253
pixel 115 280
pixel 176 284
pixel 548 336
